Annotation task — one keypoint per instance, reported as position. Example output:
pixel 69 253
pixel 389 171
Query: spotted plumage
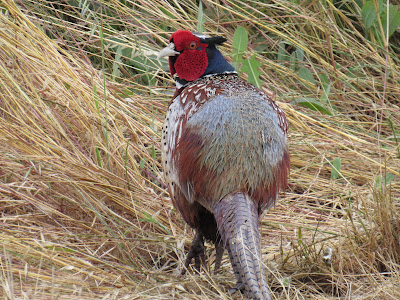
pixel 224 156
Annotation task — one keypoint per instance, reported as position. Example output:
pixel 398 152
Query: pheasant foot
pixel 196 252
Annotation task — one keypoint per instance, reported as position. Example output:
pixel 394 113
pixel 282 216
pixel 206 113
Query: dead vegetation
pixel 84 211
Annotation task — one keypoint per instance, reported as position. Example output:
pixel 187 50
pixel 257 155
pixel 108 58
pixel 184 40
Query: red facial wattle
pixel 192 61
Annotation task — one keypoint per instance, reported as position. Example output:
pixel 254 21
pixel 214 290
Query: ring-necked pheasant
pixel 224 156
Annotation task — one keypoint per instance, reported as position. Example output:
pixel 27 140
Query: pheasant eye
pixel 192 45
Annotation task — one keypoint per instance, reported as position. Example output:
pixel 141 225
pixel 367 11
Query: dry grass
pixel 84 212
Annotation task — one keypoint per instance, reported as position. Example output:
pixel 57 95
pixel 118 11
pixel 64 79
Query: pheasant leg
pixel 219 251
pixel 196 252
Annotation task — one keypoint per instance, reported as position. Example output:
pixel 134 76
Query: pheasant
pixel 224 156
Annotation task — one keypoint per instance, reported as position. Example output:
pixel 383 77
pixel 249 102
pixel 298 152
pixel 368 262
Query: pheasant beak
pixel 168 51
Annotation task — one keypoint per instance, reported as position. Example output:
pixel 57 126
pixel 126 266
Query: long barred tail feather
pixel 237 220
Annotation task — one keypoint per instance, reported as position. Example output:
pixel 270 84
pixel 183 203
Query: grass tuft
pixel 84 210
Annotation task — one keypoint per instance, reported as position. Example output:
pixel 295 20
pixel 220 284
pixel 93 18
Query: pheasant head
pixel 192 56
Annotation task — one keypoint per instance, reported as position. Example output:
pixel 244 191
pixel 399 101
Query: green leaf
pixel 200 18
pixel 240 39
pixel 60 249
pixel 239 44
pixel 324 80
pixel 306 75
pixel 117 63
pixel 312 104
pixel 293 61
pixel 299 234
pixel 300 54
pixel 368 14
pixel 98 156
pixel 250 66
pixel 352 72
pixel 395 133
pixel 359 3
pixel 142 163
pixel 153 151
pixel 394 19
pixel 381 6
pixel 144 64
pixel 286 281
pixel 336 165
pixel 166 12
pixel 389 178
pixel 149 218
pixel 282 53
pixel 379 181
pixel 120 45
pixel 327 91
